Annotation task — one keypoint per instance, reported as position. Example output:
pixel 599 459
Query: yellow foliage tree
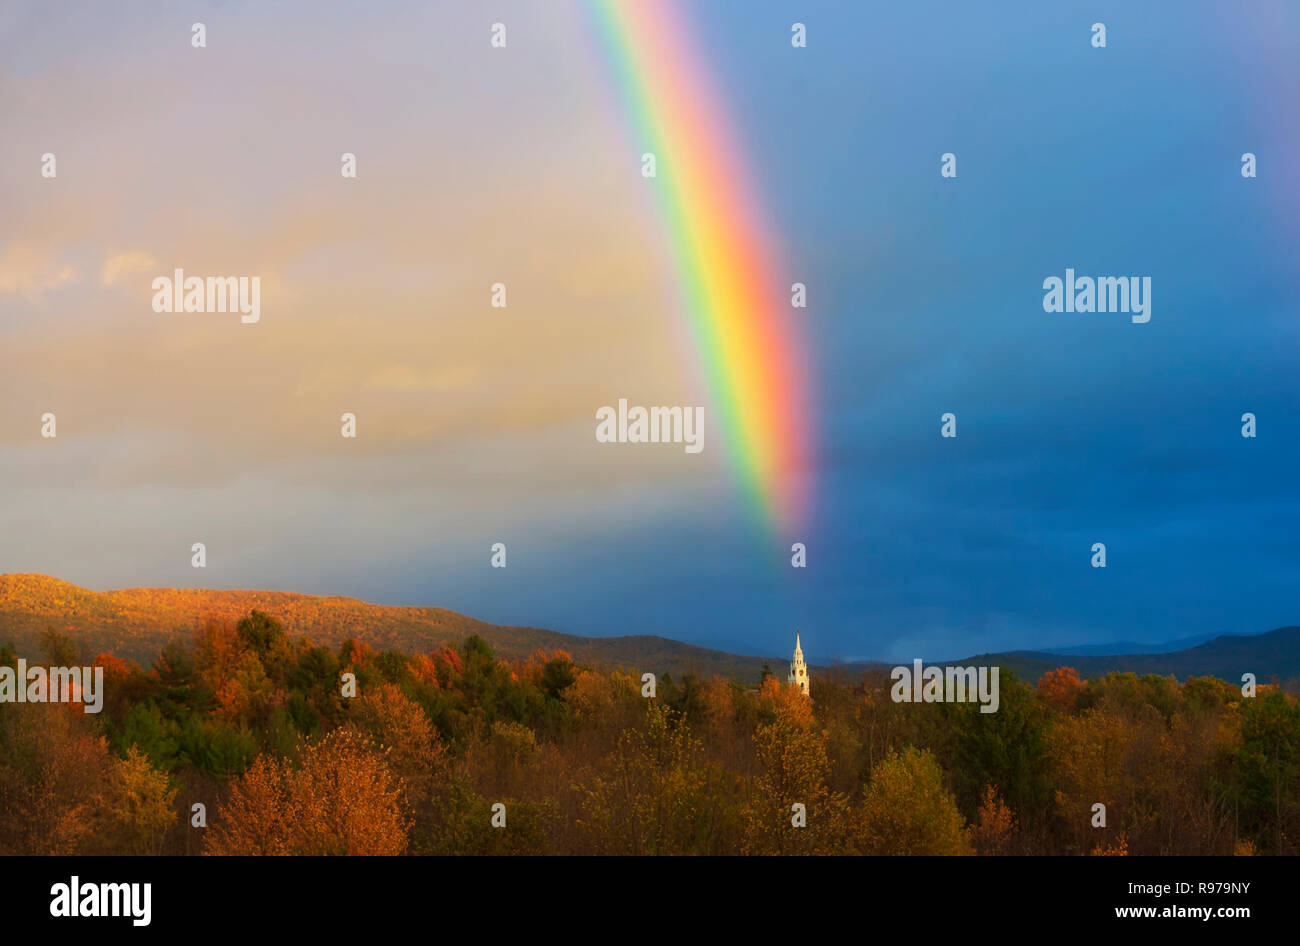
pixel 795 766
pixel 1090 753
pixel 907 810
pixel 649 797
pixel 138 806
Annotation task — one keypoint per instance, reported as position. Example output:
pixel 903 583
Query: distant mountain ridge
pixel 1274 655
pixel 136 623
pixel 1271 656
pixel 1118 648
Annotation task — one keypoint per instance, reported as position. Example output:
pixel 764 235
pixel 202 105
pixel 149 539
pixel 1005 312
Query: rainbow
pixel 735 298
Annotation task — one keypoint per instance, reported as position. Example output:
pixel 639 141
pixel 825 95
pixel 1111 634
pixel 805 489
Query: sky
pixel 520 165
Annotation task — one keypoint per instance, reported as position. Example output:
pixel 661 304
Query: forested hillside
pixel 136 623
pixel 244 739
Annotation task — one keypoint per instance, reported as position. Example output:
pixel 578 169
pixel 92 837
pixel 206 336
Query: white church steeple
pixel 798 669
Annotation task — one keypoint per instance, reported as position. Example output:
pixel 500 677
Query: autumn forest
pixel 240 740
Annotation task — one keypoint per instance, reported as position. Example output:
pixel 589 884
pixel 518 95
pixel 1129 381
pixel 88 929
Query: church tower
pixel 798 669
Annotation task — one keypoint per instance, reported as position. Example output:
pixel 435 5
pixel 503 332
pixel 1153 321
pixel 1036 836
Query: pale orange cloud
pixel 31 270
pixel 120 266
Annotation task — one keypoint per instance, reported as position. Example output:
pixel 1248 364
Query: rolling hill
pixel 136 623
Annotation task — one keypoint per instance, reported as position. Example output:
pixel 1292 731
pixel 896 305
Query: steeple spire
pixel 798 669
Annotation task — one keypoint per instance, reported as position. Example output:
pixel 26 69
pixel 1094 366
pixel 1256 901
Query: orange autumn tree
pixel 340 799
pixel 63 792
pixel 425 670
pixel 994 825
pixel 217 650
pixel 1117 849
pixel 777 699
pixel 52 779
pixel 721 727
pixel 1060 688
pixel 234 672
pixel 254 819
pixel 116 670
pixel 399 728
